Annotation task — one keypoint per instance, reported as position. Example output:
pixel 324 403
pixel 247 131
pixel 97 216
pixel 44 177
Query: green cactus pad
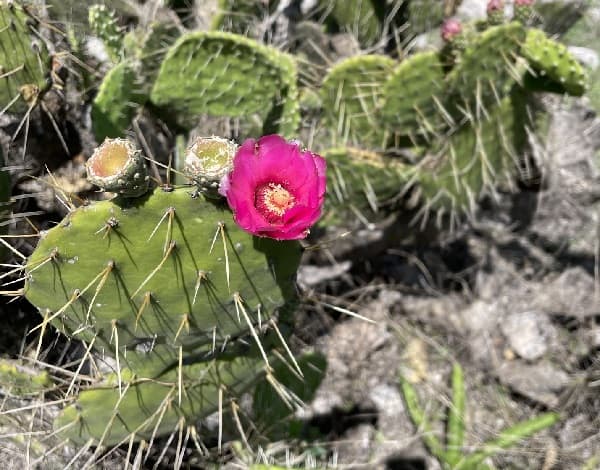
pixel 487 70
pixel 474 159
pixel 147 408
pixel 224 74
pixel 356 16
pixel 361 181
pixel 115 104
pixel 17 379
pixel 24 59
pixel 351 95
pixel 242 16
pixel 414 95
pixel 104 24
pixel 164 269
pixel 551 60
pixel 424 15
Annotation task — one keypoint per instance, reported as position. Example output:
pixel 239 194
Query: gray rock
pixel 310 276
pixel 579 436
pixel 573 293
pixel 588 57
pixel 528 333
pixel 540 382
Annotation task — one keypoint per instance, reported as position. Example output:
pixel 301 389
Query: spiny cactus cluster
pixel 212 73
pixel 184 302
pixel 464 113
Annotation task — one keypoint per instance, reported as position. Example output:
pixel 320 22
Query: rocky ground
pixel 514 299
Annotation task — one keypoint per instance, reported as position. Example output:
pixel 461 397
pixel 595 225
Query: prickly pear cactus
pixel 165 269
pixel 126 407
pixel 356 16
pixel 104 24
pixel 223 74
pixel 414 97
pixel 114 105
pixel 241 16
pixel 361 182
pixel 552 62
pixel 474 159
pixel 487 70
pixel 351 95
pixel 24 59
pixel 17 379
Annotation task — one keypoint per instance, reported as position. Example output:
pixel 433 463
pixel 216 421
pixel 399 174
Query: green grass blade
pixel 418 416
pixel 455 433
pixel 508 438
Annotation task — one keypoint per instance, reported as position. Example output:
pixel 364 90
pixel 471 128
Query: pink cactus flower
pixel 450 29
pixel 275 189
pixel 495 5
pixel 524 3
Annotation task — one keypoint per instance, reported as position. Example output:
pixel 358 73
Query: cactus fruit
pixel 451 28
pixel 495 12
pixel 351 95
pixel 119 167
pixel 24 58
pixel 208 160
pixel 414 97
pixel 523 11
pixel 114 105
pixel 104 24
pixel 551 60
pixel 223 74
pixel 182 283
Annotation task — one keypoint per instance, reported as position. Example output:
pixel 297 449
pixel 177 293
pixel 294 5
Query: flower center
pixel 273 200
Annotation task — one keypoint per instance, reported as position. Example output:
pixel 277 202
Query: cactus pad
pixel 166 269
pixel 24 59
pixel 351 94
pixel 136 409
pixel 474 159
pixel 224 74
pixel 17 379
pixel 414 96
pixel 362 181
pixel 356 16
pixel 104 24
pixel 487 70
pixel 114 105
pixel 552 60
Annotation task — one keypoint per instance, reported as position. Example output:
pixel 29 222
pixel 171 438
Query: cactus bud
pixel 495 12
pixel 208 160
pixel 450 29
pixel 523 10
pixel 117 166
